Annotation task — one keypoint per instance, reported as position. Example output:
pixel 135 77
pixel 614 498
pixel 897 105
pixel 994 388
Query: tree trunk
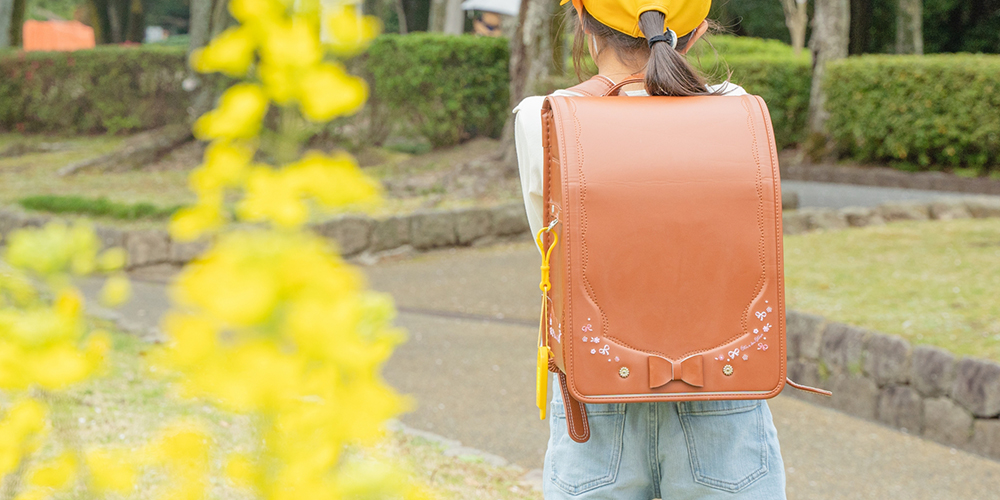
pixel 830 39
pixel 454 19
pixel 797 20
pixel 439 8
pixel 6 16
pixel 401 14
pixel 530 54
pixel 100 21
pixel 136 31
pixel 16 26
pixel 200 32
pixel 909 27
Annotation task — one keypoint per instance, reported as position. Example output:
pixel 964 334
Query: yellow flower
pixel 240 469
pixel 333 181
pixel 56 473
pixel 238 115
pixel 20 433
pixel 255 10
pixel 190 223
pixel 192 338
pixel 347 32
pixel 112 469
pixel 326 92
pixel 53 249
pixel 225 166
pixel 112 259
pixel 291 43
pixel 116 291
pixel 281 82
pixel 231 52
pixel 273 196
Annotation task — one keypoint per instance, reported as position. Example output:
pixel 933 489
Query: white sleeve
pixel 530 164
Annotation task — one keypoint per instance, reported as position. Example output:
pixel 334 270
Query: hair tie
pixel 668 36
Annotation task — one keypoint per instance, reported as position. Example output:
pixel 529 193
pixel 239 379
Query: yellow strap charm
pixel 542 371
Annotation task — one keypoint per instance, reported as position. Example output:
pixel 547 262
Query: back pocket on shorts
pixel 726 442
pixel 579 467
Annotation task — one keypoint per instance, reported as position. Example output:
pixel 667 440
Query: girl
pixel 641 451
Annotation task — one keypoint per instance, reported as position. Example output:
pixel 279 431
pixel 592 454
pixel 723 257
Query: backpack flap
pixel 667 276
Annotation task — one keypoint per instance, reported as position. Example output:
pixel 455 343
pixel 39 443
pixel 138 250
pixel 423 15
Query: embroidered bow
pixel 691 371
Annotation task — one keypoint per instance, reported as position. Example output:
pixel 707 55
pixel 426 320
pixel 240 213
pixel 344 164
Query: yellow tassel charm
pixel 542 372
pixel 542 381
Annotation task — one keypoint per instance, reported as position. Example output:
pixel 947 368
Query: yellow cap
pixel 683 16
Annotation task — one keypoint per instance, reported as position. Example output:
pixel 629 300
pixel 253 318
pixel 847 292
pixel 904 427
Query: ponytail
pixel 667 71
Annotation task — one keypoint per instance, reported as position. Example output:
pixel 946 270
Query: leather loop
pixel 691 371
pixel 821 392
pixel 616 90
pixel 576 414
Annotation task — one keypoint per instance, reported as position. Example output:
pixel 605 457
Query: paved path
pixel 829 195
pixel 469 367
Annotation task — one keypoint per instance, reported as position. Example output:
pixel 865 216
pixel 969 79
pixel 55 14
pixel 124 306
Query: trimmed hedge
pixel 783 82
pixel 96 206
pixel 941 110
pixel 107 89
pixel 451 87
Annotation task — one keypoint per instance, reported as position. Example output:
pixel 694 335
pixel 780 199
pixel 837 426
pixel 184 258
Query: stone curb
pixel 531 479
pixel 890 177
pixel 922 390
pixel 367 239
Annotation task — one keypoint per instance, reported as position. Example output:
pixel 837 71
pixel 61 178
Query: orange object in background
pixel 57 35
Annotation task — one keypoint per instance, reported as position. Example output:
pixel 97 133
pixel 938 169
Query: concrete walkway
pixel 830 195
pixel 469 365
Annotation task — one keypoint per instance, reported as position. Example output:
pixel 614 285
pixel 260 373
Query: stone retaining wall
pixel 362 237
pixel 923 390
pixel 810 219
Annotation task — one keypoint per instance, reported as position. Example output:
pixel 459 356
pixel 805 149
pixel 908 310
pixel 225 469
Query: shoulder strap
pixel 595 87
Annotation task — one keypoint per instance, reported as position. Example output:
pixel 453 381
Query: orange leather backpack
pixel 662 272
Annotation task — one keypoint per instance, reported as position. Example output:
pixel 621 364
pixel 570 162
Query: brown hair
pixel 667 71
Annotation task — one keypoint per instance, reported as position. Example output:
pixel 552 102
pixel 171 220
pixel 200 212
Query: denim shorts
pixel 689 450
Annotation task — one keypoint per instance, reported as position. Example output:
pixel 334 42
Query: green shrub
pixel 101 207
pixel 450 87
pixel 783 82
pixel 107 89
pixel 928 111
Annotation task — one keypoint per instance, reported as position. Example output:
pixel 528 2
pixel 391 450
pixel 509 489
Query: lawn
pixel 127 406
pixel 443 178
pixel 932 282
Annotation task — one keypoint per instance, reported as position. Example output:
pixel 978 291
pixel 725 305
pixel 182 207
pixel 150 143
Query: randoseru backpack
pixel 662 269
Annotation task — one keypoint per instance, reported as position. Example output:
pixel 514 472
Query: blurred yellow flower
pixel 112 259
pixel 273 196
pixel 334 181
pixel 238 115
pixel 21 431
pixel 231 52
pixel 292 43
pixel 56 473
pixel 225 166
pixel 56 248
pixel 326 91
pixel 192 222
pixel 116 291
pixel 347 32
pixel 112 469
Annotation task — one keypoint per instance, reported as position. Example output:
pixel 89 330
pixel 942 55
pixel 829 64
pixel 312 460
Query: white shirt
pixel 530 156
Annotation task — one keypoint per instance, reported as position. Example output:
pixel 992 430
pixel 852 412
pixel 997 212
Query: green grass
pixel 933 282
pixel 127 406
pixel 99 207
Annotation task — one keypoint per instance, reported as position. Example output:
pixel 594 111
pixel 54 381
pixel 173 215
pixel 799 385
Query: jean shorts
pixel 688 450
